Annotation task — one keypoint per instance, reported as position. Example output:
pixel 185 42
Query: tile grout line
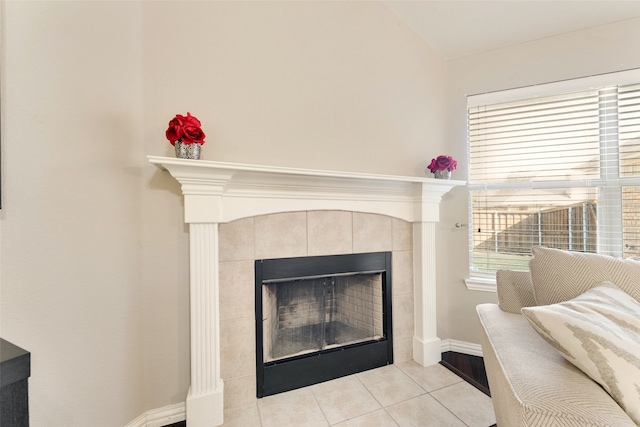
pixel 315 399
pixel 429 393
pixel 447 409
pixel 259 414
pixel 384 408
pixel 453 413
pixel 395 403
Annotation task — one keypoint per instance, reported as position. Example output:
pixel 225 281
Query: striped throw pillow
pixel 598 332
pixel 559 275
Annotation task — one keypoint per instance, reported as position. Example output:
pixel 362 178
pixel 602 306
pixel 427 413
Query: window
pixel 555 165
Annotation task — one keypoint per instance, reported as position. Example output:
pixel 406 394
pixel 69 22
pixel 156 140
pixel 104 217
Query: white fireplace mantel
pixel 218 192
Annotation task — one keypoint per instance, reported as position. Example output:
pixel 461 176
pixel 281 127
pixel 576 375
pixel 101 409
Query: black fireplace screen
pixel 320 318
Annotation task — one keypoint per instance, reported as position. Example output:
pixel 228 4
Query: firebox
pixel 320 318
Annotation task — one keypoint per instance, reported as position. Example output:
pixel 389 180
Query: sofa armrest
pixel 515 290
pixel 531 384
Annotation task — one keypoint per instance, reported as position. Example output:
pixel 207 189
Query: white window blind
pixel 561 169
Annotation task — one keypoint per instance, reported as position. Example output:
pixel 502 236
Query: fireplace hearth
pixel 321 318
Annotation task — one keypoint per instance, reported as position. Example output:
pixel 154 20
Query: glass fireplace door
pixel 309 315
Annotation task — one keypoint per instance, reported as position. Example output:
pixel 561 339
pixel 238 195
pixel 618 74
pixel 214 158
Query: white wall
pixel 326 85
pixel 94 266
pixel 329 85
pixel 603 49
pixel 71 158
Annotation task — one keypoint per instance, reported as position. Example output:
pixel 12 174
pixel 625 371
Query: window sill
pixel 480 283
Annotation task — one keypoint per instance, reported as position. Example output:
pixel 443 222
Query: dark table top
pixel 15 363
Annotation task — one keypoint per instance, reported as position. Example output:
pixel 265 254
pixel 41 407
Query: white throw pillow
pixel 599 332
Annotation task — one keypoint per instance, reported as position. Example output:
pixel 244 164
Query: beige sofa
pixel 531 384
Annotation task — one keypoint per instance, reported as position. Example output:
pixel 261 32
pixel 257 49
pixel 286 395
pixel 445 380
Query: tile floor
pixel 400 395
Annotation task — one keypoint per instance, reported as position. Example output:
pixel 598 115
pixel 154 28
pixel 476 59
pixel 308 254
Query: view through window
pixel 555 165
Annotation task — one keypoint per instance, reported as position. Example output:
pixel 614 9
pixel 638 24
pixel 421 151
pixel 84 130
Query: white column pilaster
pixel 426 344
pixel 205 397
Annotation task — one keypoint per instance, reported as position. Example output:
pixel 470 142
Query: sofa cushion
pixel 598 332
pixel 514 290
pixel 559 275
pixel 531 384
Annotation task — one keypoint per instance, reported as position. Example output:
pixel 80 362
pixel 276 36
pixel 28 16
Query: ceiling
pixel 456 28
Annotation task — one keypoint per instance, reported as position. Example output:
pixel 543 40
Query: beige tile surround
pixel 294 234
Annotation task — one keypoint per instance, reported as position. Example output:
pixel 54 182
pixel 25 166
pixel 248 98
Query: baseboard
pixel 161 417
pixel 461 347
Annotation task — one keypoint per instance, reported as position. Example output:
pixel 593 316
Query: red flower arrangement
pixel 186 129
pixel 442 163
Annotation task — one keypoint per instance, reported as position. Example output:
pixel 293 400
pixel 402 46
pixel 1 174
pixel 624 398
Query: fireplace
pixel 217 193
pixel 320 318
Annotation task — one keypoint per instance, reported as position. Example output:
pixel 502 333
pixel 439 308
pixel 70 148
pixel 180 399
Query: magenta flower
pixel 443 163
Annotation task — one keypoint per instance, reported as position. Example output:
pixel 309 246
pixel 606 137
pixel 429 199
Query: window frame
pixel 486 281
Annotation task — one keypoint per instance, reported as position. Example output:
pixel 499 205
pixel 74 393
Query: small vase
pixel 445 174
pixel 188 151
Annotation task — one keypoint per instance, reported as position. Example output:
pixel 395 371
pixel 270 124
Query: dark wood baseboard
pixel 469 368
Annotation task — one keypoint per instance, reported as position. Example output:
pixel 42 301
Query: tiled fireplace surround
pixel 296 234
pixel 240 213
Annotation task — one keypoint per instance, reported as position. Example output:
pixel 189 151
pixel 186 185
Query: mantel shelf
pixel 243 190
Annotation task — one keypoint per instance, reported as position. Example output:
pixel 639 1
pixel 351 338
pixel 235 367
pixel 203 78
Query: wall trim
pixel 481 283
pixel 161 417
pixel 461 347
